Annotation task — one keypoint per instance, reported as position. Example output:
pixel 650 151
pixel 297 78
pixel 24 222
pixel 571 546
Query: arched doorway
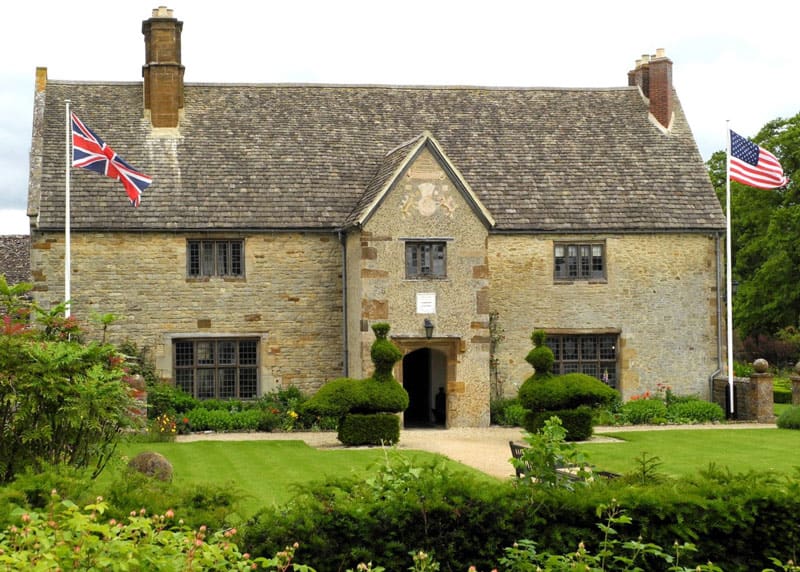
pixel 425 378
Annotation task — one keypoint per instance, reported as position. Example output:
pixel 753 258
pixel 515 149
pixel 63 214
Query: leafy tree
pixel 766 236
pixel 61 401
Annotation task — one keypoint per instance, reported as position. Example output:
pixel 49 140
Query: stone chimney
pixel 653 74
pixel 162 70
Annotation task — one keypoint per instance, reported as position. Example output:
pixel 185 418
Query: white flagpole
pixel 728 263
pixel 67 253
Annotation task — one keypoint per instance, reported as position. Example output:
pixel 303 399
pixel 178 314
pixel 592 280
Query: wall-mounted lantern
pixel 428 328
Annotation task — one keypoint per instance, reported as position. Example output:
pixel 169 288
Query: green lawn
pixel 266 470
pixel 684 451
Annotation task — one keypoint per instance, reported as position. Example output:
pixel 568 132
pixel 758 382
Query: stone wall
pixel 291 296
pixel 425 204
pixel 659 294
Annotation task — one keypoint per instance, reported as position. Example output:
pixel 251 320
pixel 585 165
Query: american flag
pixel 90 152
pixel 754 166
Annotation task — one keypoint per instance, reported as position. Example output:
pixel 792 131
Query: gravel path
pixel 485 449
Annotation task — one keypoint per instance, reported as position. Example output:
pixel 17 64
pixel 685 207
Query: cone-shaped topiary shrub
pixel 366 407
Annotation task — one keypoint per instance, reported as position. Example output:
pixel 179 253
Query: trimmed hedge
pixel 346 395
pixel 577 422
pixel 370 429
pixel 737 521
pixel 202 419
pixel 566 391
pixel 782 395
pixel 695 411
pixel 456 517
pixel 642 411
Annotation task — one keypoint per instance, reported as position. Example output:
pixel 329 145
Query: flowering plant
pixel 164 428
pixel 67 537
pixel 183 425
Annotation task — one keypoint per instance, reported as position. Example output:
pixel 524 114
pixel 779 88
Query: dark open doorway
pixel 424 378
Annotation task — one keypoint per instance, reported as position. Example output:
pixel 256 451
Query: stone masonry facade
pixel 426 205
pixel 657 287
pixel 290 297
pixel 659 296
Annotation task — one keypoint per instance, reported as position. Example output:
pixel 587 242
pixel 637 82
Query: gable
pixel 436 181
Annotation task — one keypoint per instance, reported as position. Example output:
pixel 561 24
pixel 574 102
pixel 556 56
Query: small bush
pixel 790 419
pixel 216 505
pixel 32 489
pixel 268 421
pixel 577 422
pixel 507 412
pixel 641 411
pixel 695 411
pixel 165 398
pixel 371 429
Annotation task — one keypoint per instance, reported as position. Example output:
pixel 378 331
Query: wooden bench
pixel 516 452
pixel 570 473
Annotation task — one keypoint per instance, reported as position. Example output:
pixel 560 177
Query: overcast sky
pixel 734 60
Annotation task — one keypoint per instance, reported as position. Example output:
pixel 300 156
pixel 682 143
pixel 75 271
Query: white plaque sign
pixel 426 302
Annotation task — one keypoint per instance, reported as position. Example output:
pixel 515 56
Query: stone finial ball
pixel 760 365
pixel 797 367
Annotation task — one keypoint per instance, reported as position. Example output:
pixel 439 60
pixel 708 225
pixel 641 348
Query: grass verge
pixel 268 471
pixel 685 451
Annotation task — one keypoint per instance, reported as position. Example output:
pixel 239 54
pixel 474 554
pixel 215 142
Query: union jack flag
pixel 90 152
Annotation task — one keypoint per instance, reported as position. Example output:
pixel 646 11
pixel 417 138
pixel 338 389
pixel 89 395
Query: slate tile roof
pixel 388 166
pixel 271 157
pixel 15 258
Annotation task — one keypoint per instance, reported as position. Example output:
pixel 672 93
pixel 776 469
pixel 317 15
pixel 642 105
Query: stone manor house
pixel 285 219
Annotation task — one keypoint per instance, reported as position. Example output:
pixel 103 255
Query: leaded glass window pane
pixel 426 260
pixel 205 383
pixel 578 261
pixel 227 352
pixel 227 383
pixel 248 382
pixel 225 368
pixel 592 354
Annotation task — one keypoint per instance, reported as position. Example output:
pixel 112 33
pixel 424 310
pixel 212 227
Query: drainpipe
pixel 719 322
pixel 345 354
